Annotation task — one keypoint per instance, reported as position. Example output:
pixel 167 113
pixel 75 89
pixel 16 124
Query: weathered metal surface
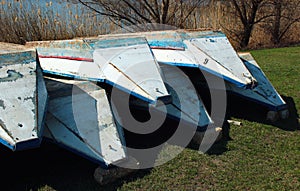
pixel 208 50
pixel 79 115
pixel 186 103
pixel 264 92
pixel 125 63
pixel 212 52
pixel 80 119
pixel 129 63
pixel 68 58
pixel 193 57
pixel 42 101
pixel 218 47
pixel 23 100
pixel 170 40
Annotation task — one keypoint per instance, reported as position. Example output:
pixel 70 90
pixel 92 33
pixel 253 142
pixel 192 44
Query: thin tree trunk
pixel 277 22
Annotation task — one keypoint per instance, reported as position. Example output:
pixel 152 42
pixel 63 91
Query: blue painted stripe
pixel 167 44
pixel 25 145
pixel 73 76
pixel 5 143
pixel 181 64
pixel 17 58
pixel 238 84
pixel 269 106
pixel 202 34
pixel 263 82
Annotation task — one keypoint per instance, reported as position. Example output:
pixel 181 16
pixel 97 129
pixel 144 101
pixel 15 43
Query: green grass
pixel 257 156
pixel 282 66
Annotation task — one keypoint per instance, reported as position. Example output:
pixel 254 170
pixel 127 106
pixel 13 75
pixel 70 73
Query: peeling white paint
pixel 19 101
pixel 83 122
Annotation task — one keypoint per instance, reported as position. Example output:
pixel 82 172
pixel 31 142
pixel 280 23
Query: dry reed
pixel 30 20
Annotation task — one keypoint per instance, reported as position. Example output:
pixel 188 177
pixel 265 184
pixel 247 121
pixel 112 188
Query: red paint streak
pixel 166 48
pixel 69 58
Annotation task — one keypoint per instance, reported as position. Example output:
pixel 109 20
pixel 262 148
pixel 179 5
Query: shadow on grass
pixel 244 109
pixel 240 108
pixel 220 147
pixel 47 165
pixel 52 168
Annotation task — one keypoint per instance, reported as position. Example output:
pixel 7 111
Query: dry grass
pixel 218 17
pixel 22 21
pixel 29 20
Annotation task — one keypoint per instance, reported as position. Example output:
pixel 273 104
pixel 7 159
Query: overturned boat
pixel 79 119
pixel 212 54
pixel 158 72
pixel 264 93
pixel 23 99
pixel 257 87
pixel 125 64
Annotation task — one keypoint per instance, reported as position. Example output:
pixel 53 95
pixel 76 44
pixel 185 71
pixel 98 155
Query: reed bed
pixel 30 20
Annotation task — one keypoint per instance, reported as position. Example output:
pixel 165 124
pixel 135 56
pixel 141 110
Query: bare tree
pixel 286 13
pixel 248 12
pixel 134 12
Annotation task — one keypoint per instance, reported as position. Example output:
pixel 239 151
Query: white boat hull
pixel 127 64
pixel 23 100
pixel 80 119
